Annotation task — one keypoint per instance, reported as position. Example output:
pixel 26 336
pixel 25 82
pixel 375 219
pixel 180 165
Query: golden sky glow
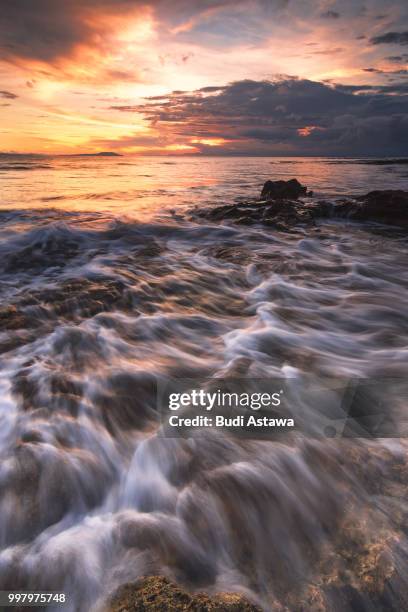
pixel 86 90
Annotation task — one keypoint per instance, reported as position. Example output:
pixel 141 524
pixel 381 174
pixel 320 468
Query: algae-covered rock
pixel 158 594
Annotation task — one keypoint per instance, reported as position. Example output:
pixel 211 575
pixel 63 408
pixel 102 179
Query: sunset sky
pixel 282 77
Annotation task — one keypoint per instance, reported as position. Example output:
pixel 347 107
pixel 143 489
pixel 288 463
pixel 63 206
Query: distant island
pixel 101 154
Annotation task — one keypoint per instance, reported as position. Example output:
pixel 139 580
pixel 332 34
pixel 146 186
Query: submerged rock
pixel 49 251
pixel 159 594
pixel 283 189
pixel 12 318
pixel 38 311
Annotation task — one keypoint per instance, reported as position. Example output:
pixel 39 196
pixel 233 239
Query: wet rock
pixel 12 318
pixel 233 211
pixel 71 299
pixel 283 214
pixel 84 297
pixel 290 190
pixel 52 251
pixel 165 540
pixel 278 208
pixel 159 594
pixel 128 401
pixel 44 482
pixel 230 254
pixel 382 201
pixel 151 248
pixel 389 207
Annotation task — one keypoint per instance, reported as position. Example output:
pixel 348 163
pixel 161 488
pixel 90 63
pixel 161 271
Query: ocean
pixel 109 282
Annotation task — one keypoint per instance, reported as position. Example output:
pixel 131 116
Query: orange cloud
pixel 307 130
pixel 210 142
pixel 87 42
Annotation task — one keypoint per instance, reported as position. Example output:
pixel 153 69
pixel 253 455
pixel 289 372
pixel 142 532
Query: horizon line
pixel 183 155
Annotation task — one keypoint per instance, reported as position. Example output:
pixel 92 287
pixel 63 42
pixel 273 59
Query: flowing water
pixel 107 284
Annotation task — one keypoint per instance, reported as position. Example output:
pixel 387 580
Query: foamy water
pixel 106 285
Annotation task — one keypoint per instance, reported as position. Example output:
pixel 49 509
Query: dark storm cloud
pixel 399 38
pixel 287 115
pixel 8 95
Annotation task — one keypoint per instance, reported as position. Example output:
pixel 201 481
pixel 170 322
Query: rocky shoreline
pixel 280 206
pixel 159 594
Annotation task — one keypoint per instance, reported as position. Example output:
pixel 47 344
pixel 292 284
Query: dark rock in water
pixel 388 206
pixel 281 214
pixel 159 594
pixel 281 209
pixel 291 190
pixel 285 212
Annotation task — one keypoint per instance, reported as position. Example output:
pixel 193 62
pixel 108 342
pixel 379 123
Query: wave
pixel 373 162
pixel 19 167
pixel 96 313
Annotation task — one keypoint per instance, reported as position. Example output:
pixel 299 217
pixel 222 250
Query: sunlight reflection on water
pixel 149 185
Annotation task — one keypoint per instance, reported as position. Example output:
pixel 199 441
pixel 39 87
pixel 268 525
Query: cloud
pixel 49 30
pixel 95 42
pixel 398 38
pixel 396 88
pixel 125 108
pixel 74 40
pixel 109 51
pixel 397 58
pixel 8 95
pixel 288 115
pixel 388 73
pixel 46 30
pixel 330 15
